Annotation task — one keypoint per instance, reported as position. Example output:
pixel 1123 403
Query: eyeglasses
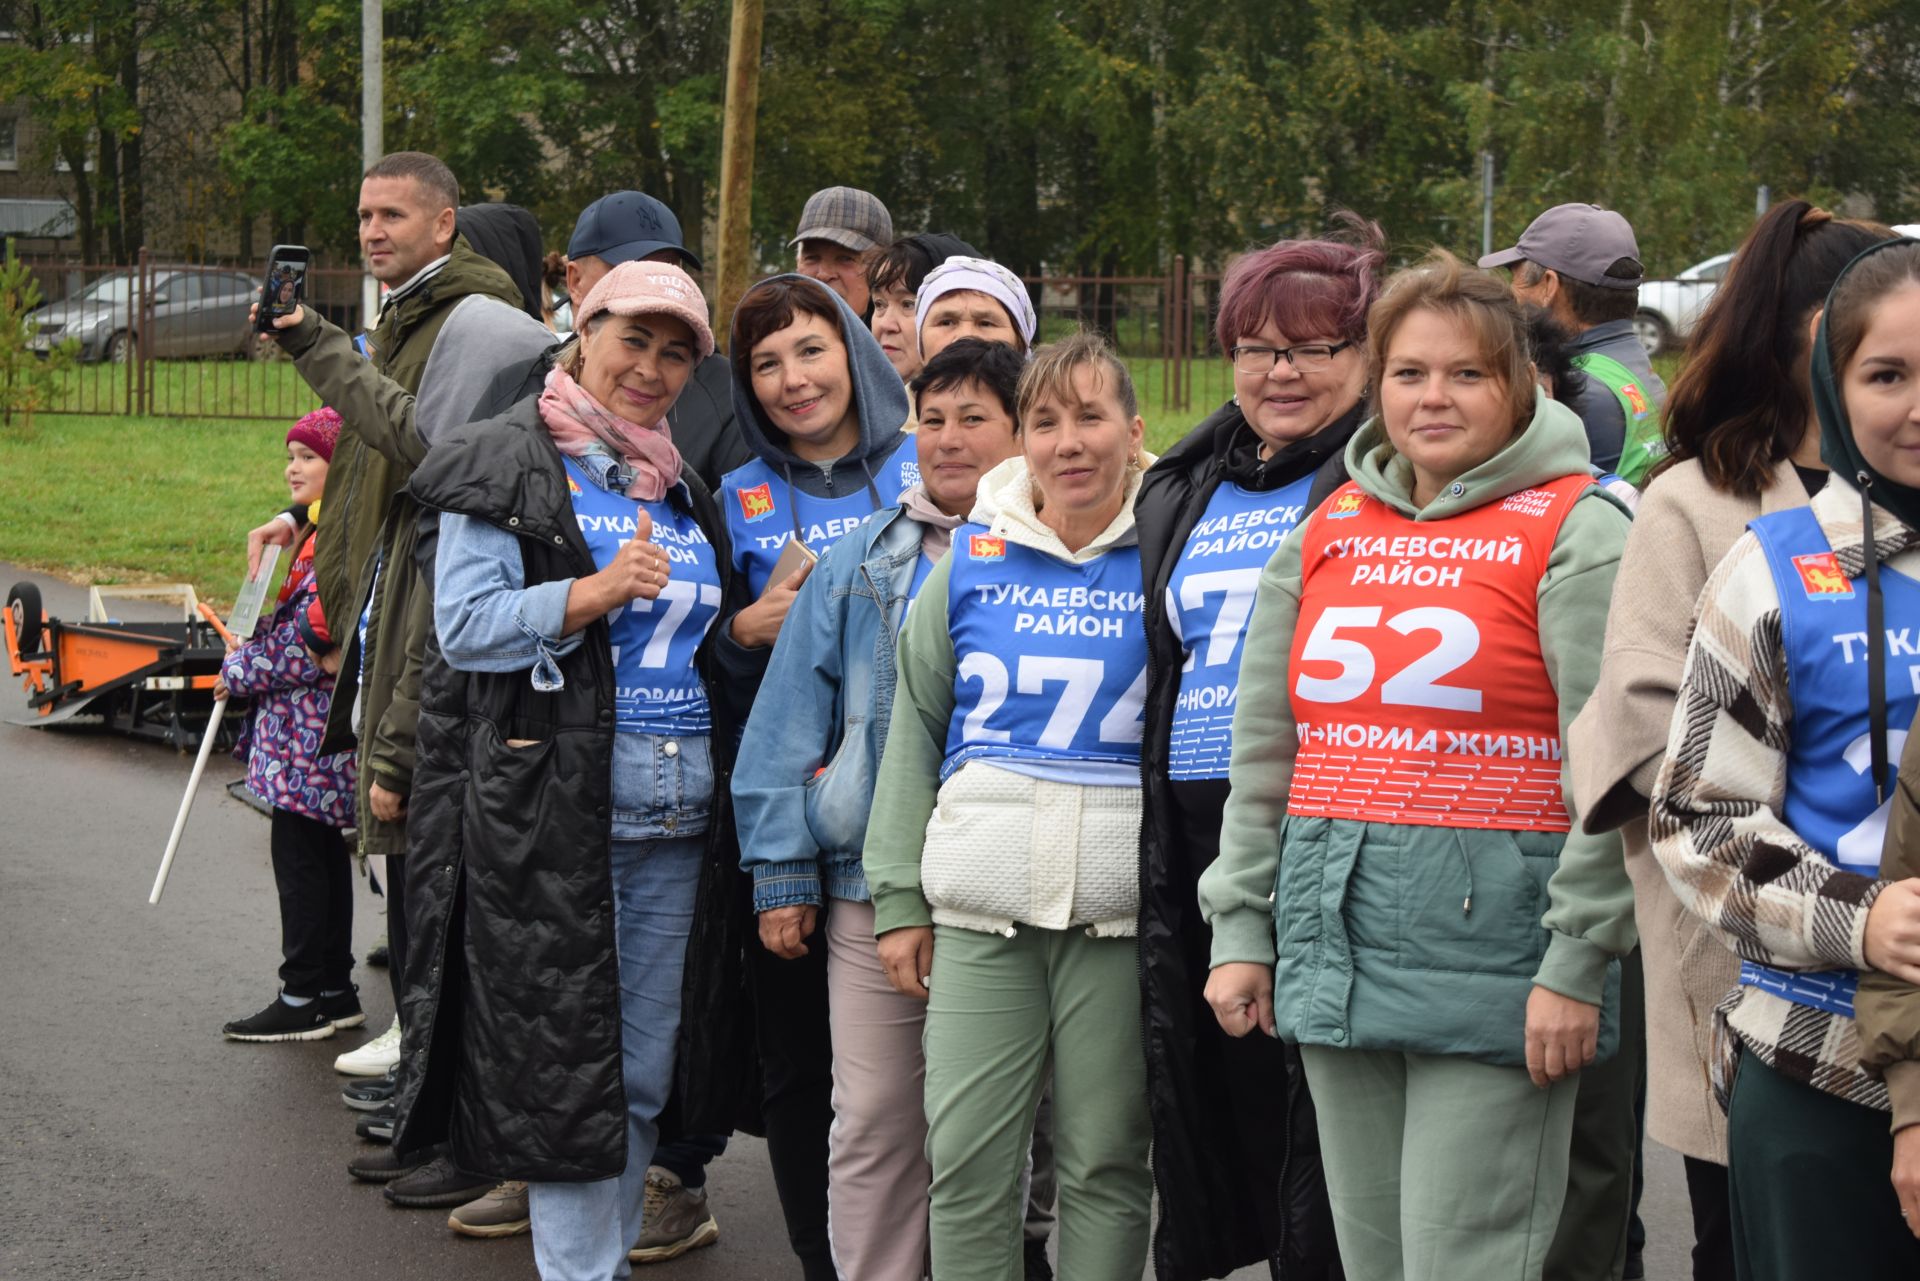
pixel 1307 358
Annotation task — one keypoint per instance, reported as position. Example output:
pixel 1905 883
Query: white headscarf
pixel 980 275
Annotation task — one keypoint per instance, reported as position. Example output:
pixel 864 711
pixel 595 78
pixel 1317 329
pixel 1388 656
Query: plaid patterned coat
pixel 1716 818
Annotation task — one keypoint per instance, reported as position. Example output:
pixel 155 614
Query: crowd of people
pixel 1350 833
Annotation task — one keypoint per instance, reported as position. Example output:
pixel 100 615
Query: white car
pixel 1669 308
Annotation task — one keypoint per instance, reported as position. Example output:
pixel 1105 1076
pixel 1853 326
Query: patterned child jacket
pixel 291 695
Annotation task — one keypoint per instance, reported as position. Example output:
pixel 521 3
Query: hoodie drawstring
pixel 1460 846
pixel 793 505
pixel 1876 644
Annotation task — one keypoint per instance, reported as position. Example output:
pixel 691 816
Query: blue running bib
pixel 657 687
pixel 1209 600
pixel 763 511
pixel 1051 657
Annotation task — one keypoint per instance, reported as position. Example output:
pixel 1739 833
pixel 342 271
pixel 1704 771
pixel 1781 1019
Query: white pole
pixel 372 123
pixel 186 802
pixel 1486 203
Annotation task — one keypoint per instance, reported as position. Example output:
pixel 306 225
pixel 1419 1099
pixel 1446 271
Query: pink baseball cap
pixel 643 288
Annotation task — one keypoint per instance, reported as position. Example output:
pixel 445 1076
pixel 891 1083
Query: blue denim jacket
pixel 489 620
pixel 804 780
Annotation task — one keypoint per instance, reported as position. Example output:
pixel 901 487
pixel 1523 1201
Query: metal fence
pixel 170 339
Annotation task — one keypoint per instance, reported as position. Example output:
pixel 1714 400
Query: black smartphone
pixel 286 284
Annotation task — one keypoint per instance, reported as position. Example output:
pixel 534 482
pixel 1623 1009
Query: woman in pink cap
pixel 567 810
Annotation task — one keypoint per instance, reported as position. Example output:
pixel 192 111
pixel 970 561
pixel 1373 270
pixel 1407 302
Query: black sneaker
pixel 437 1185
pixel 342 1008
pixel 377 1125
pixel 383 1165
pixel 372 1093
pixel 378 955
pixel 283 1022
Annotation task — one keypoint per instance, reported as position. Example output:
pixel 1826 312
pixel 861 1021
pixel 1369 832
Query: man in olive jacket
pixel 392 393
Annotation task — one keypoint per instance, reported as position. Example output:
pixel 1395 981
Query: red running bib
pixel 1417 683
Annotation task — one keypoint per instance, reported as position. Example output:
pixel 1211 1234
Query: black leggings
pixel 314 874
pixel 796 1058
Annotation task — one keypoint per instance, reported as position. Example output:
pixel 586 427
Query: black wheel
pixel 1653 331
pixel 120 347
pixel 23 602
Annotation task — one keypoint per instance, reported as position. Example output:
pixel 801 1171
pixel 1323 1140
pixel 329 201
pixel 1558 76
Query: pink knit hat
pixel 644 288
pixel 318 431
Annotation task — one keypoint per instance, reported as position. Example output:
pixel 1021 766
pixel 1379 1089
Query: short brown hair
pixel 771 306
pixel 1593 304
pixel 431 172
pixel 1050 373
pixel 1477 300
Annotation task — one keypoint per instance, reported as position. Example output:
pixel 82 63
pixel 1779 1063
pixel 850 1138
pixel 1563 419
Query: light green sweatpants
pixel 998 1008
pixel 1440 1167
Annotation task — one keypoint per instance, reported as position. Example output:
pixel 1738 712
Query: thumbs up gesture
pixel 640 569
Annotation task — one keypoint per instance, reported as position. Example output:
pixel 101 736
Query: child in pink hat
pixel 311 795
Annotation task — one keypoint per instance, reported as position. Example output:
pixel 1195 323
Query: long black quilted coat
pixel 1236 1153
pixel 511 1052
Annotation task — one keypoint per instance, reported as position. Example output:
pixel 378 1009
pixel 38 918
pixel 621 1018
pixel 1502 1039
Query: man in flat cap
pixel 840 229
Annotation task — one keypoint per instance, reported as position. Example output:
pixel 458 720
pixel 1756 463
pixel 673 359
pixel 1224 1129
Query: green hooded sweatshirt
pixel 1413 938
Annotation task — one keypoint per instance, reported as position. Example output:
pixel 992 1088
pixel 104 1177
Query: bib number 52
pixel 1415 685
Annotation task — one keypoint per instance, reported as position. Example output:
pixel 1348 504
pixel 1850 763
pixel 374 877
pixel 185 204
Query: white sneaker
pixel 373 1058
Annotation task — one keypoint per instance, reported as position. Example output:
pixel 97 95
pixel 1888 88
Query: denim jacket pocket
pixel 839 797
pixel 662 786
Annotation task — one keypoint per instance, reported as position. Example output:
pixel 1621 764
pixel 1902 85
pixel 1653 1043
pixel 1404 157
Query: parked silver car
pixel 1669 308
pixel 194 312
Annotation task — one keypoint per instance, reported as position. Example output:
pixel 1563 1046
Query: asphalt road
pixel 139 1144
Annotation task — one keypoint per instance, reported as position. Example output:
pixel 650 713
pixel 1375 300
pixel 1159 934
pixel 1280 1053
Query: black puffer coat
pixel 511 1050
pixel 1236 1154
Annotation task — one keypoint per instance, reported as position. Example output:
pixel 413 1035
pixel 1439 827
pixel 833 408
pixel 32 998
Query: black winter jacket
pixel 512 990
pixel 1236 1155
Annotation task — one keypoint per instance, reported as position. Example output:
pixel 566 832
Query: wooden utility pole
pixel 736 164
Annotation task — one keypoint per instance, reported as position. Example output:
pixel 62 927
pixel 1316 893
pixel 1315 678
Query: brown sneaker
pixel 674 1219
pixel 500 1213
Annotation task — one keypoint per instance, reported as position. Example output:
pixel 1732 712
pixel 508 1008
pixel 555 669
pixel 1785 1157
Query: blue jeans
pixel 582 1231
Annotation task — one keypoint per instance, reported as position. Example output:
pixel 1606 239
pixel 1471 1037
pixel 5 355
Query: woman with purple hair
pixel 1236 1162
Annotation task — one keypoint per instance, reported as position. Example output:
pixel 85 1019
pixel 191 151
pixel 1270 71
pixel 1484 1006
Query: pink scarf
pixel 577 422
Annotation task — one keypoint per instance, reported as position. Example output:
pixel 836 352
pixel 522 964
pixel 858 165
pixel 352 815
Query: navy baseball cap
pixel 625 226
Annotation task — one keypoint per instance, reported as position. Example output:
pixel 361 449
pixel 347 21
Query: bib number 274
pixel 1079 680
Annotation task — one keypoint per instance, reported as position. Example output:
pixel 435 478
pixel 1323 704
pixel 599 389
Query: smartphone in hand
pixel 286 284
pixel 792 557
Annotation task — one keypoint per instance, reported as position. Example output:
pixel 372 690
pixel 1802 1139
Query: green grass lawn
pixel 139 500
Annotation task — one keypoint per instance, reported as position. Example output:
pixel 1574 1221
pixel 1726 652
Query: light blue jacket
pixel 804 780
